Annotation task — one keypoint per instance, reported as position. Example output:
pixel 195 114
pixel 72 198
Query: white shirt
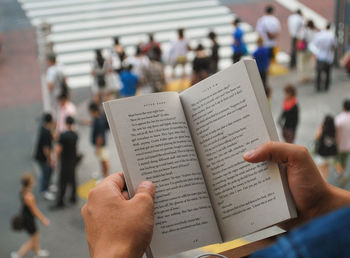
pixel 55 76
pixel 268 24
pixel 295 24
pixel 63 112
pixel 178 48
pixel 323 46
pixel 342 123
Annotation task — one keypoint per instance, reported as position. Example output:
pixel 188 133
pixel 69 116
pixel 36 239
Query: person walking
pixel 152 49
pixel 129 81
pixel 262 58
pixel 305 62
pixel 269 27
pixel 117 56
pixel 178 52
pixel 98 137
pixel 295 26
pixel 323 46
pixel 342 123
pixel 29 212
pixel 66 152
pixel 201 65
pixel 214 54
pixel 66 108
pixel 56 82
pixel 155 74
pixel 326 145
pixel 289 117
pixel 239 47
pixel 44 156
pixel 99 71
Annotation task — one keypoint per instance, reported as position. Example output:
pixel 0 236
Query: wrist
pixel 111 250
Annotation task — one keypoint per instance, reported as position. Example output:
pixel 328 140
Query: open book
pixel 190 145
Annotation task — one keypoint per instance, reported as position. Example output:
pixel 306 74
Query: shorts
pixel 319 160
pixel 182 60
pixel 102 154
pixel 29 226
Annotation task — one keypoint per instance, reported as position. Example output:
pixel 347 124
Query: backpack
pixel 326 146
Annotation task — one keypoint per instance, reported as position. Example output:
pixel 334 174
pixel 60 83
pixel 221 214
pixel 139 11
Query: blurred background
pixel 65 57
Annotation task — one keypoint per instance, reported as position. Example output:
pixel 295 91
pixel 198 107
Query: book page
pixel 225 121
pixel 154 143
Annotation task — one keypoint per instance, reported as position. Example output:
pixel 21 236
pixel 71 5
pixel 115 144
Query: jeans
pixel 46 172
pixel 323 69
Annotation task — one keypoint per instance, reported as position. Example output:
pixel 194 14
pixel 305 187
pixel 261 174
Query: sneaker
pixel 49 196
pixel 53 188
pixel 14 255
pixel 43 253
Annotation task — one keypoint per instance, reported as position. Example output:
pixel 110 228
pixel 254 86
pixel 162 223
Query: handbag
pixel 17 222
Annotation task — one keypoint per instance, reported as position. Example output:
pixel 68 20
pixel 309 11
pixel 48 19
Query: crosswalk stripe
pixel 81 26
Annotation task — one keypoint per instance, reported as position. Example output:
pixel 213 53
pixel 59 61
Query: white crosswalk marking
pixel 80 26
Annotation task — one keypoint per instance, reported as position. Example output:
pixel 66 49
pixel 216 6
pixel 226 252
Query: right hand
pixel 312 195
pixel 45 221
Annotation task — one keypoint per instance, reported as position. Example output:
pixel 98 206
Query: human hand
pixel 45 221
pixel 116 226
pixel 312 195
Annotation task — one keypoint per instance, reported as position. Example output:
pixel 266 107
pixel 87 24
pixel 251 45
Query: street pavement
pixel 20 109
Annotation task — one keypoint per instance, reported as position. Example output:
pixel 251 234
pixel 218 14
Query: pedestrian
pixel 305 61
pixel 269 27
pixel 56 82
pixel 66 108
pixel 100 68
pixel 325 145
pixel 29 212
pixel 117 56
pixel 98 137
pixel 323 46
pixel 295 26
pixel 130 82
pixel 262 58
pixel 214 56
pixel 201 65
pixel 152 49
pixel 289 117
pixel 178 52
pixel 238 46
pixel 66 153
pixel 342 123
pixel 44 156
pixel 155 75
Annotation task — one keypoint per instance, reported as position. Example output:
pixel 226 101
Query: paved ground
pixel 20 108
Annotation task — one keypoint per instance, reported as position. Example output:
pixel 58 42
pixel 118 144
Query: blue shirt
pixel 239 45
pixel 99 128
pixel 262 57
pixel 130 82
pixel 325 237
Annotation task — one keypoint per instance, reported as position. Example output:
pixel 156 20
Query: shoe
pixel 49 196
pixel 14 255
pixel 53 188
pixel 42 253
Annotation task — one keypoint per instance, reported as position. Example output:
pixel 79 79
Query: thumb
pixel 145 189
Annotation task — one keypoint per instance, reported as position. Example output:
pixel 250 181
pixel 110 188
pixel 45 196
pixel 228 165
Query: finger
pixel 126 195
pixel 117 179
pixel 276 151
pixel 146 188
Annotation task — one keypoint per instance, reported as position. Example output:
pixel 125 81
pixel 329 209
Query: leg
pixel 293 53
pixel 26 247
pixel 327 70
pixel 105 168
pixel 62 189
pixel 318 75
pixel 263 77
pixel 46 172
pixel 36 244
pixel 73 197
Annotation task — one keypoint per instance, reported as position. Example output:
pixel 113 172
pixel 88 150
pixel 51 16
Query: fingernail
pixel 147 184
pixel 249 154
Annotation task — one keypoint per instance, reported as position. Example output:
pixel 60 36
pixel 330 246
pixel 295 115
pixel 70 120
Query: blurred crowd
pixel 118 75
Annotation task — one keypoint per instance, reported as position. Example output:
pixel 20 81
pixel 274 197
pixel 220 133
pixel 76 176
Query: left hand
pixel 114 225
